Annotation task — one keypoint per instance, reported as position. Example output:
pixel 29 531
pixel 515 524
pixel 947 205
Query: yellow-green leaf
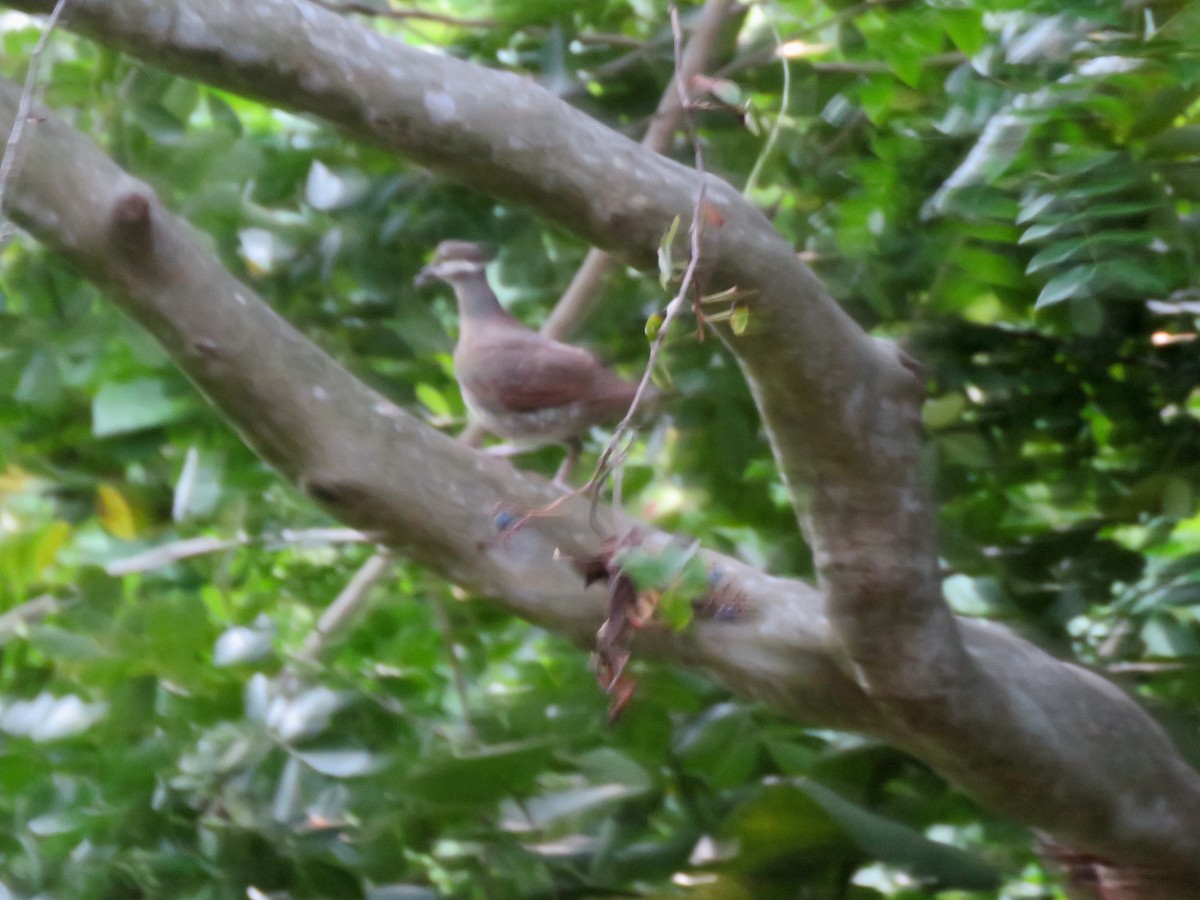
pixel 665 264
pixel 739 318
pixel 115 512
pixel 49 543
pixel 653 325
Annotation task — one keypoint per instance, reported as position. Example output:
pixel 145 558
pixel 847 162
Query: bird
pixel 522 386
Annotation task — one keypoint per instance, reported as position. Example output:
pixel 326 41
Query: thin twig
pixel 760 55
pixel 611 457
pixel 16 620
pixel 1146 668
pixel 776 127
pixel 446 626
pixel 836 67
pixel 580 297
pixel 387 12
pixel 188 548
pixel 345 606
pixel 12 146
pixel 604 39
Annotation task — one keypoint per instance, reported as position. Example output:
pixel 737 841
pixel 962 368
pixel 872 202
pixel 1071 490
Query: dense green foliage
pixel 1012 192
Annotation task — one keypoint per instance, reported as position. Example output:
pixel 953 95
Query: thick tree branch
pixel 372 464
pixel 1046 742
pixel 841 409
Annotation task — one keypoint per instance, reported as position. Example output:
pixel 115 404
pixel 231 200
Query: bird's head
pixel 454 260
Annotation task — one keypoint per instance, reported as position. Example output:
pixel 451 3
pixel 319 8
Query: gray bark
pixel 874 649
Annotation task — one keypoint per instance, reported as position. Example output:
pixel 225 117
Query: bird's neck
pixel 476 300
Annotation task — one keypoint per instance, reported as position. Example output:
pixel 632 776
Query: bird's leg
pixel 574 448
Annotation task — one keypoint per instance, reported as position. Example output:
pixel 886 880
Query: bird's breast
pixel 528 427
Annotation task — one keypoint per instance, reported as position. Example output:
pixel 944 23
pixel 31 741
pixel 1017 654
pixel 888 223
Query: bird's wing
pixel 523 371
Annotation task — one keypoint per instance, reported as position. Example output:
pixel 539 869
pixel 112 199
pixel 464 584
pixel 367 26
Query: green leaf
pixel 433 400
pixel 1035 207
pixel 654 323
pixel 726 91
pixel 666 266
pixel 1055 253
pixel 607 764
pixel 1076 282
pixel 988 267
pixel 719 746
pixel 1166 105
pixel 546 809
pixel 119 408
pixel 161 124
pixel 1184 181
pixel 222 114
pixel 41 382
pixel 1097 244
pixel 1128 276
pixel 1064 226
pixel 66 645
pixel 969 596
pixel 401 892
pixel 965 28
pixel 348 763
pixel 905 59
pixel 1183 141
pixel 1112 185
pixel 1087 316
pixel 1118 210
pixel 1164 637
pixel 780 825
pixel 673 564
pixel 675 573
pixel 739 319
pixel 876 98
pixel 941 412
pixel 791 757
pixel 943 866
pixel 482 776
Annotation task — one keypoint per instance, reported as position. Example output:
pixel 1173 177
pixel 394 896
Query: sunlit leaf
pixel 52 540
pixel 347 763
pixel 49 718
pixel 1076 282
pixel 965 28
pixel 666 266
pixel 115 512
pixel 66 645
pixel 123 407
pixel 739 319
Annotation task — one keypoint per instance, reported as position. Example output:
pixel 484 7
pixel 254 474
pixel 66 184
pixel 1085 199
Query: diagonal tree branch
pixel 841 409
pixel 993 713
pixel 371 463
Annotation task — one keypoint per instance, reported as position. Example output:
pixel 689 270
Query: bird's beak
pixel 424 277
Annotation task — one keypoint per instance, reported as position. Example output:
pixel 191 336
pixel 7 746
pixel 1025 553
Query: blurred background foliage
pixel 1008 188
